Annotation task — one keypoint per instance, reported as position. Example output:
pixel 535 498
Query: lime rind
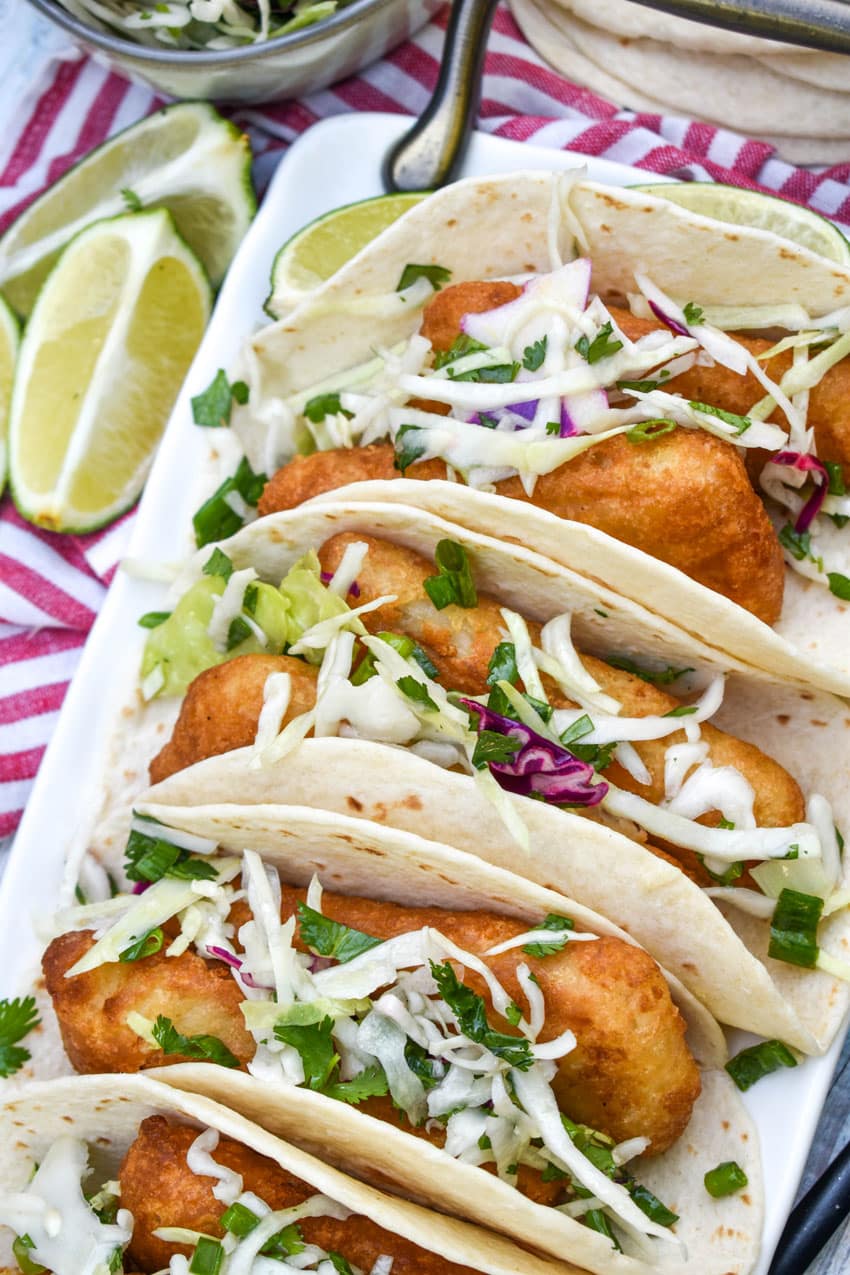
pixel 734 205
pixel 49 510
pixel 210 160
pixel 285 291
pixel 10 340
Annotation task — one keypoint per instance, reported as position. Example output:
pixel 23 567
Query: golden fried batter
pixel 159 1189
pixel 200 997
pixel 461 641
pixel 222 707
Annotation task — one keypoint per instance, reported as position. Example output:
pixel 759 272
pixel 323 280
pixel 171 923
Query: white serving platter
pixel 336 162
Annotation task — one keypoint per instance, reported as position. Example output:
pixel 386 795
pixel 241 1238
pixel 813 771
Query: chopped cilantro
pixel 18 1017
pixel 839 585
pixel 656 677
pixel 429 1070
pixel 339 1263
pixel 315 1045
pixel 436 276
pixel 470 1011
pixel 411 450
pixel 603 345
pixel 153 619
pixel 212 408
pixel 460 347
pixel 316 409
pixel 491 746
pixel 416 691
pixel 549 947
pixel 693 314
pixel 237 632
pixel 534 355
pixel 491 374
pixel 216 520
pixel 369 1083
pixel 553 427
pixel 406 647
pixel 641 387
pixel 132 202
pixel 503 666
pixel 681 710
pixel 741 423
pixel 199 1048
pixel 218 564
pixel 332 938
pixel 798 543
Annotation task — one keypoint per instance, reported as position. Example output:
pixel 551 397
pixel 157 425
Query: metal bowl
pixel 284 67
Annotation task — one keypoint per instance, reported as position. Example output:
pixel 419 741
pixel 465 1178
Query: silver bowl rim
pixel 144 55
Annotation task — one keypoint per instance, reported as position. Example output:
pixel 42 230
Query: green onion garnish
pixel 216 520
pixel 212 408
pixel 793 930
pixel 316 409
pixel 740 423
pixel 454 583
pixel 751 1064
pixel 436 276
pixel 239 1220
pixel 207 1258
pixel 839 585
pixel 153 619
pixel 646 431
pixel 726 1179
pixel 412 450
pixel 148 945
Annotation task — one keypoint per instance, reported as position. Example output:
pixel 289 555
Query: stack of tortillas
pixel 797 99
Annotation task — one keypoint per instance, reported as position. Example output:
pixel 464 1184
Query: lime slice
pixel 9 339
pixel 751 208
pixel 110 340
pixel 318 250
pixel 185 158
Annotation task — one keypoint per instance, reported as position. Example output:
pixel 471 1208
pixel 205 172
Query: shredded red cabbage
pixel 235 962
pixel 141 886
pixel 539 767
pixel 805 463
pixel 673 324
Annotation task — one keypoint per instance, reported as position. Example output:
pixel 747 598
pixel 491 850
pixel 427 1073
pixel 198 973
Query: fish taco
pixel 647 396
pixel 104 1174
pixel 402 669
pixel 425 1021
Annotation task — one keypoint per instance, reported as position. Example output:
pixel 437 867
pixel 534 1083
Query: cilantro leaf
pixel 406 648
pixel 339 1263
pixel 153 619
pixel 553 427
pixel 148 945
pixel 839 585
pixel 429 1070
pixel 412 450
pixel 416 691
pixel 218 564
pixel 132 202
pixel 332 938
pixel 491 373
pixel 491 746
pixel 503 665
pixel 315 1045
pixel 603 345
pixel 436 276
pixel 211 409
pixel 642 387
pixel 316 409
pixel 216 519
pixel 741 423
pixel 460 347
pixel 369 1083
pixel 200 1048
pixel 656 677
pixel 470 1011
pixel 548 948
pixel 681 710
pixel 18 1017
pixel 534 355
pixel 150 858
pixel 454 583
pixel 693 314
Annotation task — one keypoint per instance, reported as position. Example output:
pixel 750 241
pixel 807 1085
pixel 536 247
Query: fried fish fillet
pixel 222 706
pixel 160 1190
pixel 684 497
pixel 631 1074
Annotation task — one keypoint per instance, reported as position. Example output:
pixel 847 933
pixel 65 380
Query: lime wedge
pixel 110 340
pixel 185 158
pixel 751 208
pixel 9 339
pixel 318 250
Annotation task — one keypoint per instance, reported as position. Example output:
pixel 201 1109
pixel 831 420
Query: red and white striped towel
pixel 52 586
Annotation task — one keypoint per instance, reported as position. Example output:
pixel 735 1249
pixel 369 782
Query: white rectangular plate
pixel 336 162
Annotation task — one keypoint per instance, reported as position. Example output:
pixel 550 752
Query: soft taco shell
pixel 805 730
pixel 106 1111
pixel 355 857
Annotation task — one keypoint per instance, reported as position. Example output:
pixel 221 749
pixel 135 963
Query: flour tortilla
pixel 106 1111
pixel 353 856
pixel 758 91
pixel 690 256
pixel 804 729
pixel 636 21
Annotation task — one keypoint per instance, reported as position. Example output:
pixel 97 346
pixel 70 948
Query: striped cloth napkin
pixel 56 105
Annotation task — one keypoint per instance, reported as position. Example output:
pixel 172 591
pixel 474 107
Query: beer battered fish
pixel 631 1074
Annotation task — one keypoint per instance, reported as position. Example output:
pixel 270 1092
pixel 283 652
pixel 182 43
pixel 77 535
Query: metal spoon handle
pixel 815 24
pixel 428 155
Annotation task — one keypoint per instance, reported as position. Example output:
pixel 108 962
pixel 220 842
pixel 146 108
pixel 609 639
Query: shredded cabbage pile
pixel 206 25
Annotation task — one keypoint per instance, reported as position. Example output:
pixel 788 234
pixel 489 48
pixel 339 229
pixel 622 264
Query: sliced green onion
pixel 793 930
pixel 646 431
pixel 741 423
pixel 650 1204
pixel 747 1067
pixel 454 584
pixel 208 1257
pixel 20 1248
pixel 148 945
pixel 239 1220
pixel 726 1179
pixel 412 450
